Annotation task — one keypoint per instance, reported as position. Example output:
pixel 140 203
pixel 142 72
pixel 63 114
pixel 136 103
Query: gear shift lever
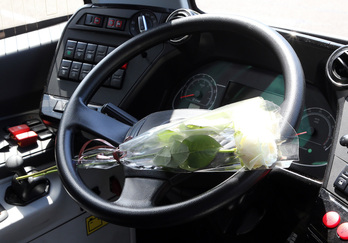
pixel 22 192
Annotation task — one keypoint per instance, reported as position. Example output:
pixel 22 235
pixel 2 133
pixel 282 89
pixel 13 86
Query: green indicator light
pixel 309 151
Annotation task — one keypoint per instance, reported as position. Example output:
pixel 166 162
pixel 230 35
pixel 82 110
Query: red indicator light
pixel 124 66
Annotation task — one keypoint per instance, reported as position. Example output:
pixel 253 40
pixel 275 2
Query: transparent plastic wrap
pixel 243 134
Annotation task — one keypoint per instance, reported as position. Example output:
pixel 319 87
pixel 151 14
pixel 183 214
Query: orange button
pixel 342 231
pixel 331 219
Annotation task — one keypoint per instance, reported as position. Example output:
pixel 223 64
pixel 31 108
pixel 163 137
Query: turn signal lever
pixel 22 192
pixel 119 114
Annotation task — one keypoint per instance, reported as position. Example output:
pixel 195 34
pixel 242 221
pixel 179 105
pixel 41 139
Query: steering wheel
pixel 136 205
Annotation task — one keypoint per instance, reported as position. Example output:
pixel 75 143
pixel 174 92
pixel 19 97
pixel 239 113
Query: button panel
pixel 80 58
pixel 341 181
pixel 113 23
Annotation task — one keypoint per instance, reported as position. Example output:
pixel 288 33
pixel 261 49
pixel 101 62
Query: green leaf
pixel 166 135
pixel 203 150
pixel 163 157
pixel 180 153
pixel 169 136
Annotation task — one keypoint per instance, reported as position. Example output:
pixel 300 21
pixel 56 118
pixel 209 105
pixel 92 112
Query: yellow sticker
pixel 93 224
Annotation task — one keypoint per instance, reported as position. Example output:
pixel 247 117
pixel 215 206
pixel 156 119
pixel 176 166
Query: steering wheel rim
pixel 78 116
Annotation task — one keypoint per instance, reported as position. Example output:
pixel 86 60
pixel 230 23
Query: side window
pixel 26 23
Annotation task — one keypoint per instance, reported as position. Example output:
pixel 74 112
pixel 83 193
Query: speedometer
pixel 198 92
pixel 315 135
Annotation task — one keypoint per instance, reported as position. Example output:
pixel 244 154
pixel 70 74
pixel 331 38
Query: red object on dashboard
pixel 26 138
pixel 342 231
pixel 331 219
pixel 18 129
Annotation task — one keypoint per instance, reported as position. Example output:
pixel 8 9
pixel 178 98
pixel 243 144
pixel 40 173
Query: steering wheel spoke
pixel 141 192
pixel 96 123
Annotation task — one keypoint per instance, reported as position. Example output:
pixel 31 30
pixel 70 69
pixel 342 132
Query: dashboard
pixel 220 83
pixel 203 72
pixel 197 71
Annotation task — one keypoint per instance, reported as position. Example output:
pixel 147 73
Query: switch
pixel 18 129
pixel 80 51
pixel 94 20
pixel 331 219
pixel 86 68
pixel 25 139
pixel 70 49
pixel 342 231
pixel 90 52
pixel 45 135
pixel 39 128
pixel 64 69
pixel 101 53
pixel 110 49
pixel 116 23
pixel 117 79
pixel 32 122
pixel 340 183
pixel 60 106
pixel 75 70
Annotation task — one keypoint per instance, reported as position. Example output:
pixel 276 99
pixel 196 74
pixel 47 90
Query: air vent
pixel 337 67
pixel 177 14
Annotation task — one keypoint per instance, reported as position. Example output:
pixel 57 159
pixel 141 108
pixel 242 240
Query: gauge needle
pixel 301 133
pixel 185 96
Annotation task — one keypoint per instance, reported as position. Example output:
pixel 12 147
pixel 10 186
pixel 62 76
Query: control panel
pixel 90 35
pixel 80 58
pixel 329 220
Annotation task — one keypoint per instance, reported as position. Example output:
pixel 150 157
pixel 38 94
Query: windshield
pixel 312 16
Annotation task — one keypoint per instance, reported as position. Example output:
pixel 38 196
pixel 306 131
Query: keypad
pixel 79 59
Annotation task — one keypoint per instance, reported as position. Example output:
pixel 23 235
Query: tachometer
pixel 315 135
pixel 198 92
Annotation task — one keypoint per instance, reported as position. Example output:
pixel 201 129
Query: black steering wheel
pixel 136 207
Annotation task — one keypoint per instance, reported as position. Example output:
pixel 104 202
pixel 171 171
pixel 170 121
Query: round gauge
pixel 315 135
pixel 198 92
pixel 143 21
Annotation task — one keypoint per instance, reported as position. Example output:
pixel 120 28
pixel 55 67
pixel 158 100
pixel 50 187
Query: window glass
pixel 314 16
pixel 15 13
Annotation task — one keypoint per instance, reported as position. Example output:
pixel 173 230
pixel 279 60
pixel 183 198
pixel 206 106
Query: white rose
pixel 256 150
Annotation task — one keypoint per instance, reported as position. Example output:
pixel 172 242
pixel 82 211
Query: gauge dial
pixel 198 92
pixel 315 135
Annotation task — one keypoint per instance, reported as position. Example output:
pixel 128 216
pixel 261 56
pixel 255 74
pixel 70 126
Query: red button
pixel 97 21
pixel 331 219
pixel 342 231
pixel 19 129
pixel 26 138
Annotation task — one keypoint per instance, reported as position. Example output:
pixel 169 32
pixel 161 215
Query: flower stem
pixel 228 150
pixel 39 173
